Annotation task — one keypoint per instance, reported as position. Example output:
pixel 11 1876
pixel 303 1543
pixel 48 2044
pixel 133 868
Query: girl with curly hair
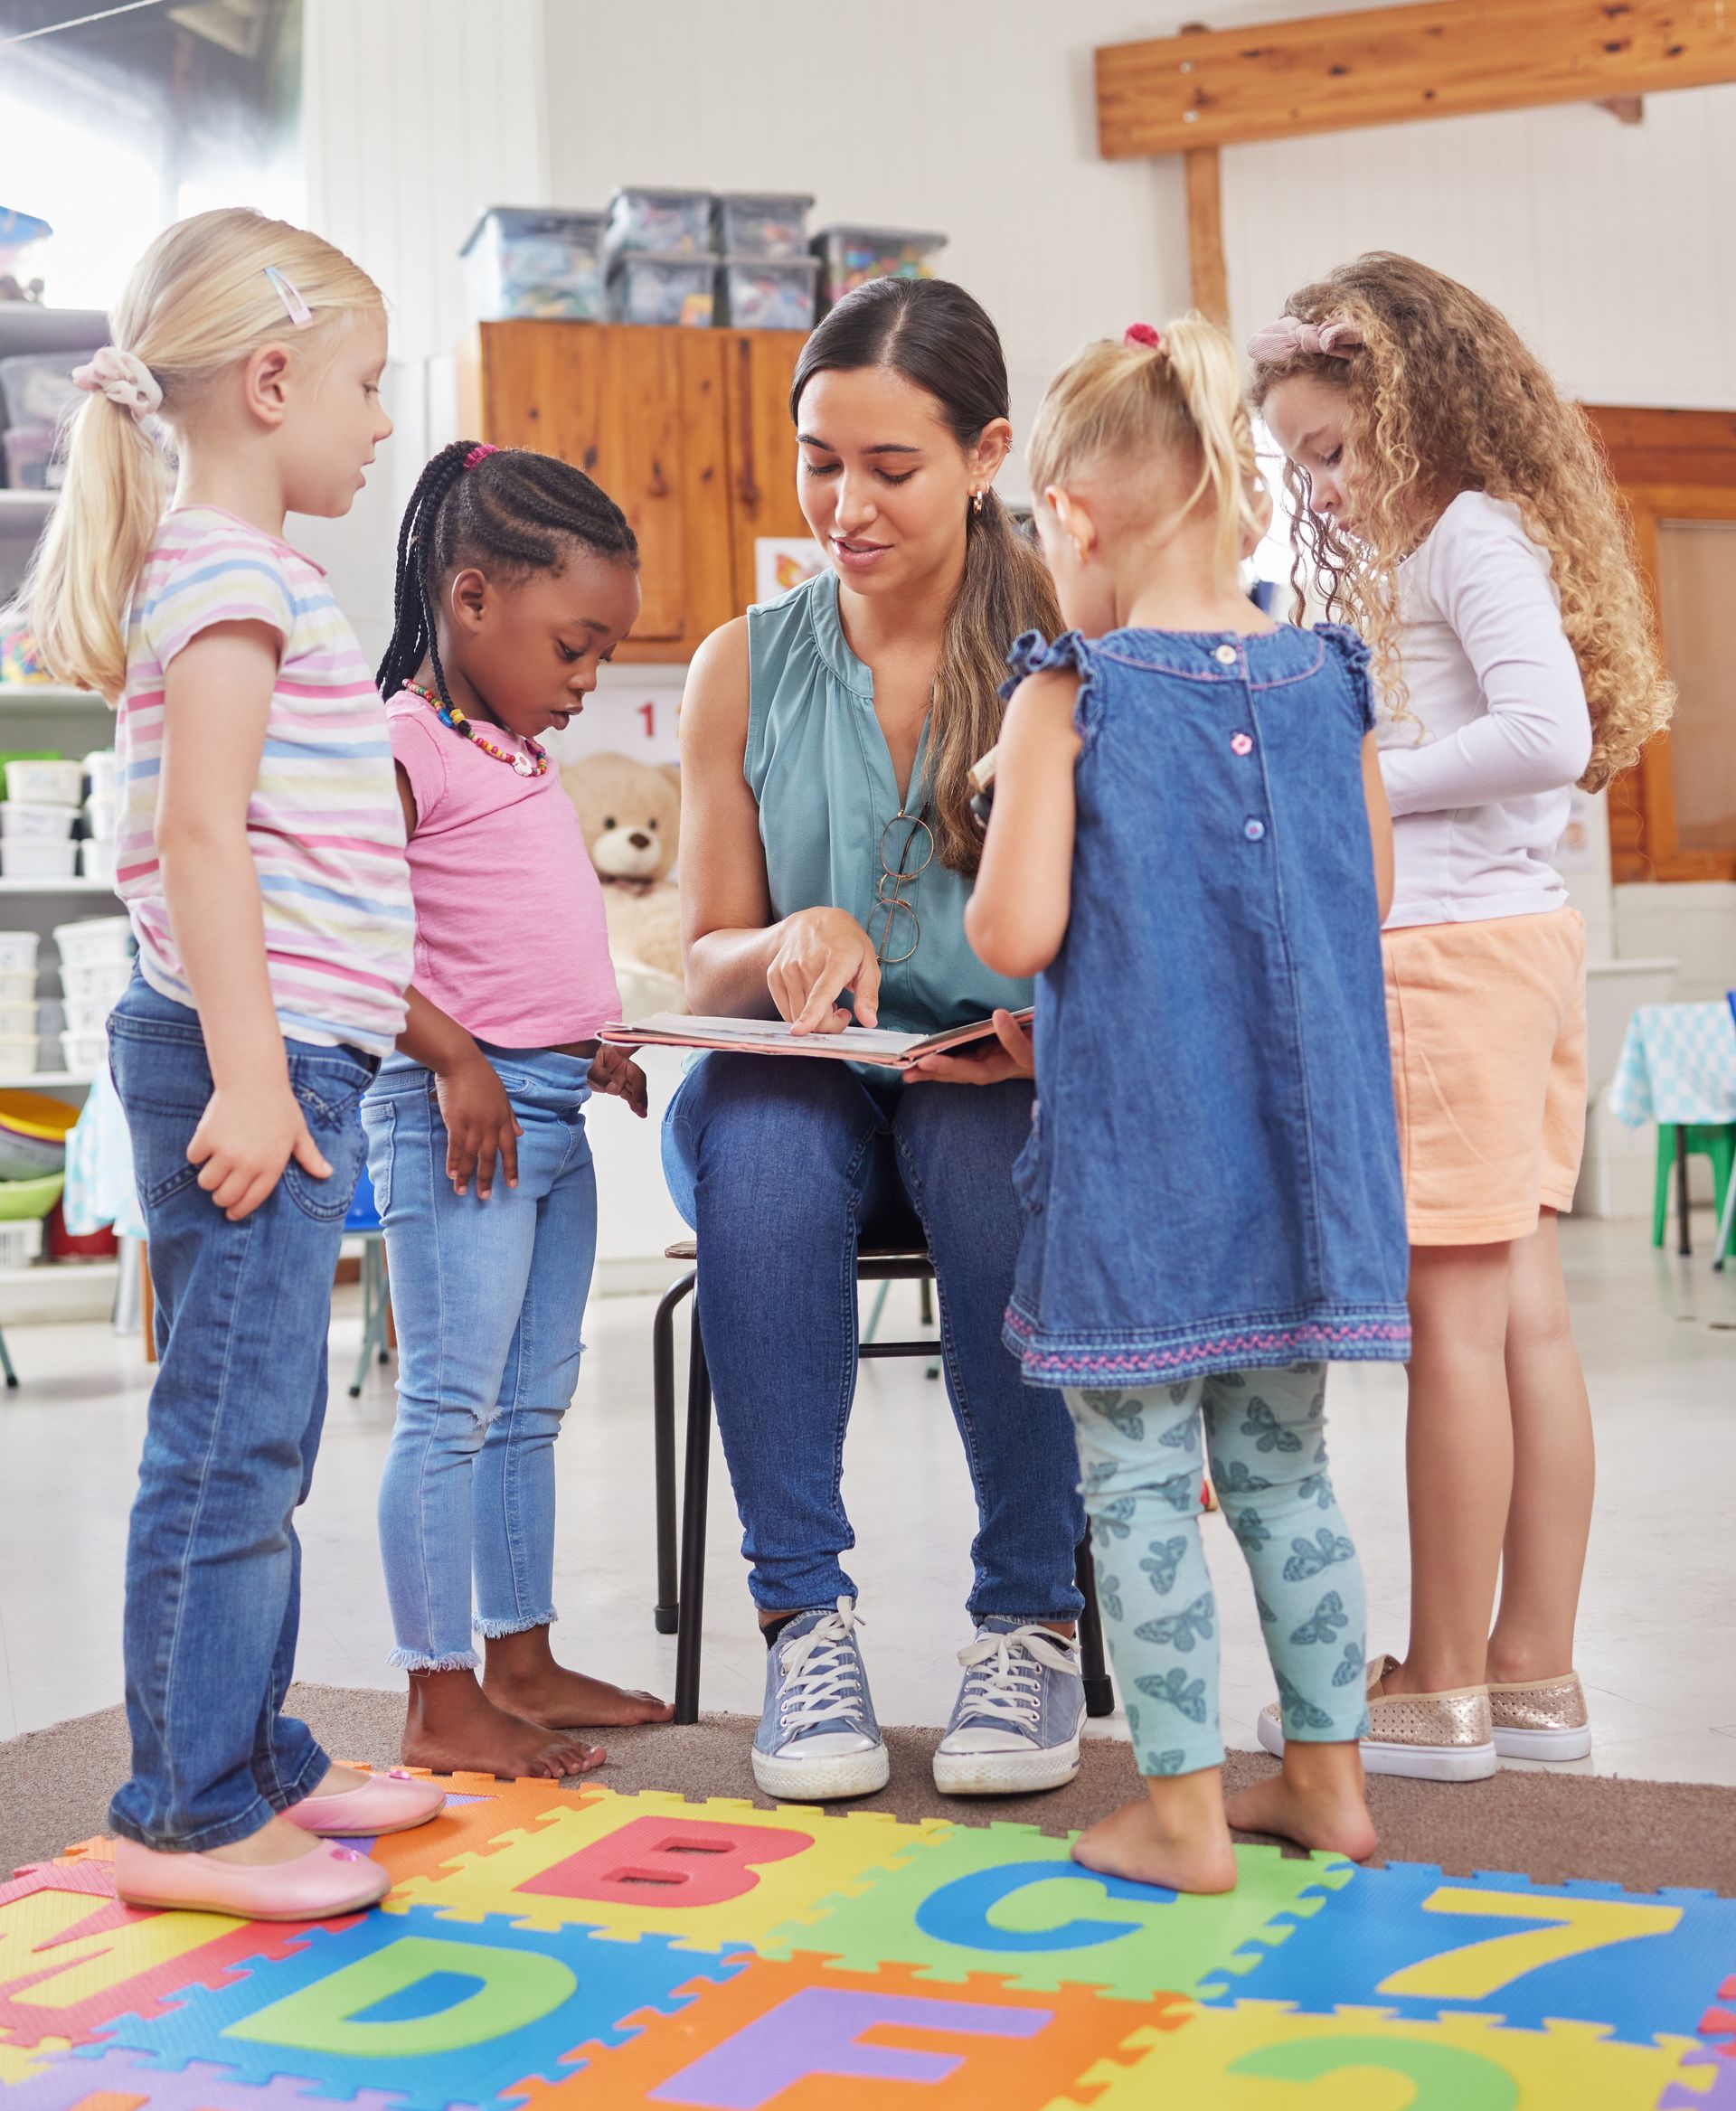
pixel 1453 507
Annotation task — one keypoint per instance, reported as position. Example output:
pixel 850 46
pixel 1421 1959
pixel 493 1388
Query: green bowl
pixel 22 1200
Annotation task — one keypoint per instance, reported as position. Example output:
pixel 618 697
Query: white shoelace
pixel 823 1673
pixel 1003 1681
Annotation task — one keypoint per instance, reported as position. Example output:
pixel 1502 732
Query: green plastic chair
pixel 1713 1140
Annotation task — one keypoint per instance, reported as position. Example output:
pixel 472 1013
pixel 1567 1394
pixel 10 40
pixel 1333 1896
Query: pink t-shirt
pixel 510 936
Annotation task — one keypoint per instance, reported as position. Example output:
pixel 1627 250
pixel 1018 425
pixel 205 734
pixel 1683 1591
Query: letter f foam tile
pixel 1007 1899
pixel 707 1876
pixel 420 2009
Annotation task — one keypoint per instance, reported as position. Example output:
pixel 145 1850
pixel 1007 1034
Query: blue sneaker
pixel 818 1739
pixel 1016 1728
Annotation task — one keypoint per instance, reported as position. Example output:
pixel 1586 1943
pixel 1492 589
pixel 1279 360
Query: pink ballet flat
pixel 385 1803
pixel 320 1885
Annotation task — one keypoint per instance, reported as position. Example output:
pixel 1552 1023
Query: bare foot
pixel 520 1675
pixel 1317 1801
pixel 1141 1841
pixel 453 1727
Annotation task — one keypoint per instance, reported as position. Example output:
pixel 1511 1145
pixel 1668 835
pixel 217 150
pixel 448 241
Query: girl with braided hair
pixel 517 578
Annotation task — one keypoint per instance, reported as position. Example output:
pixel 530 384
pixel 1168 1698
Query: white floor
pixel 1657 1640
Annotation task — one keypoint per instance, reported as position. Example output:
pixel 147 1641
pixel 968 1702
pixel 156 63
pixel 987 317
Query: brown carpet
pixel 56 1784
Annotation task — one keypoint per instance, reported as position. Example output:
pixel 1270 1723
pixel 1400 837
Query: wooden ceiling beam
pixel 1391 65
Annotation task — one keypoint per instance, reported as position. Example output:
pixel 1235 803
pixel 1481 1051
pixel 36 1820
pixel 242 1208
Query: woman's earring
pixel 976 502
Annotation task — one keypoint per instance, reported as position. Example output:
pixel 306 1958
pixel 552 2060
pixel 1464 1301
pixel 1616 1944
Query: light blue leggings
pixel 1143 1468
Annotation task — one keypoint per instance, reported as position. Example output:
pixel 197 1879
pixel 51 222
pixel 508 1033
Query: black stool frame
pixel 681 1601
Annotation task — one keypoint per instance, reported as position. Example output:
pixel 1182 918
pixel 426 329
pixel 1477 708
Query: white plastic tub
pixel 20 1244
pixel 97 859
pixel 21 858
pixel 89 1015
pixel 17 986
pixel 17 1019
pixel 46 784
pixel 103 812
pixel 18 952
pixel 100 768
pixel 85 1053
pixel 93 940
pixel 23 823
pixel 18 1053
pixel 96 982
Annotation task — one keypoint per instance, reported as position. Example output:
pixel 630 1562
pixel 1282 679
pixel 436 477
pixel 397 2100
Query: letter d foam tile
pixel 707 1876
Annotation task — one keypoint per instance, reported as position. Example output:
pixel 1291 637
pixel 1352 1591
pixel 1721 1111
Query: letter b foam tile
pixel 1007 1899
pixel 416 2006
pixel 706 1875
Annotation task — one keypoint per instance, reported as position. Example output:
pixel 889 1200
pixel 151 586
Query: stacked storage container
pixel 96 963
pixel 37 391
pixel 661 265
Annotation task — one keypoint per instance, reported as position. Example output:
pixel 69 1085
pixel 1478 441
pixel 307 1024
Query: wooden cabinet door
pixel 642 410
pixel 760 365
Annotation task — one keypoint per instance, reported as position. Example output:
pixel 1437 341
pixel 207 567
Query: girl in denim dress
pixel 1190 847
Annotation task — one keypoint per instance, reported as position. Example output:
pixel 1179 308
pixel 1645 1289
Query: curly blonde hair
pixel 1444 396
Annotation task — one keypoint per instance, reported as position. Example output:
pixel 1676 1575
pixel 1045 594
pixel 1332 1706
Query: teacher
pixel 828 852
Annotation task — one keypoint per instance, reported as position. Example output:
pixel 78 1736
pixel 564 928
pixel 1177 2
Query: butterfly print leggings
pixel 1142 1465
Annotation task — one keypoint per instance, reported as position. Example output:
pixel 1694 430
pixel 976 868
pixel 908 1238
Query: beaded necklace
pixel 536 763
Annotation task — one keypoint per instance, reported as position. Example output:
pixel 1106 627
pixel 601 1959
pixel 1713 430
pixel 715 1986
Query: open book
pixel 855 1044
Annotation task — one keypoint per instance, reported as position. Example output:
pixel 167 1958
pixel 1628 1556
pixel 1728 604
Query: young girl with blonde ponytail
pixel 1457 511
pixel 261 859
pixel 1190 849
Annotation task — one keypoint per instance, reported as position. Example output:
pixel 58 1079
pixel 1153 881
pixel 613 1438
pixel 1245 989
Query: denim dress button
pixel 1254 830
pixel 1240 744
pixel 1226 655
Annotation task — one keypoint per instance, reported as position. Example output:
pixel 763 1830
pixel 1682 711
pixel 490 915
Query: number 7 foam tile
pixel 711 1875
pixel 1262 2056
pixel 1407 1939
pixel 1007 1899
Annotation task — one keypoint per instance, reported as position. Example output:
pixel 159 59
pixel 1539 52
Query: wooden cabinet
pixel 687 430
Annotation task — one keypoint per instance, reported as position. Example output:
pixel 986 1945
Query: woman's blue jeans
pixel 214 1567
pixel 780 1165
pixel 488 1297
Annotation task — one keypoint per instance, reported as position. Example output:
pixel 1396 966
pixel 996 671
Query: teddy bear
pixel 629 813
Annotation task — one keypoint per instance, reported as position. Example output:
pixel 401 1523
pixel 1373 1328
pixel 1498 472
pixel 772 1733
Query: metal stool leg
pixel 1099 1694
pixel 663 1443
pixel 693 1531
pixel 5 1365
pixel 368 1320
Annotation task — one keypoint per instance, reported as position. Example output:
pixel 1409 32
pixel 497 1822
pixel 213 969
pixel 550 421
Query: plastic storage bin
pixel 85 1053
pixel 762 223
pixel 524 261
pixel 38 388
pixel 17 987
pixel 17 1019
pixel 660 223
pixel 83 1019
pixel 663 289
pixel 94 942
pixel 769 293
pixel 20 1244
pixel 18 952
pixel 44 783
pixel 850 256
pixel 95 982
pixel 23 858
pixel 100 768
pixel 18 1054
pixel 30 458
pixel 97 859
pixel 22 823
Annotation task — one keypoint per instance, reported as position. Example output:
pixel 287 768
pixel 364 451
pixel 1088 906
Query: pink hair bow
pixel 123 377
pixel 1290 338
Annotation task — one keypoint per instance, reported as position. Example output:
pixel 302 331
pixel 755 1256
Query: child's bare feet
pixel 454 1727
pixel 1317 1800
pixel 520 1675
pixel 1177 1837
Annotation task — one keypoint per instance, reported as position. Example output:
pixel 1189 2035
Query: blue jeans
pixel 488 1298
pixel 779 1165
pixel 214 1567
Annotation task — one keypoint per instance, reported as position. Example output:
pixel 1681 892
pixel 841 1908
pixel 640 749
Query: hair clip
pixel 480 453
pixel 296 309
pixel 1143 334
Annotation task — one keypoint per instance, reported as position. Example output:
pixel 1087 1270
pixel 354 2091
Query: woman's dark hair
pixel 510 511
pixel 941 340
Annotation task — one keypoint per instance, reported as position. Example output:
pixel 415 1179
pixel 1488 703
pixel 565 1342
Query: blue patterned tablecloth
pixel 1677 1064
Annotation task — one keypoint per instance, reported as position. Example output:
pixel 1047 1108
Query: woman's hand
pixel 1011 1054
pixel 614 1072
pixel 821 954
pixel 247 1134
pixel 480 1125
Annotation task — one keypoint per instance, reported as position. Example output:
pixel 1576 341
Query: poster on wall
pixel 623 717
pixel 783 562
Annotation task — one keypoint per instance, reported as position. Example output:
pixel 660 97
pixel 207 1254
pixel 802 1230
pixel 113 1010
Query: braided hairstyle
pixel 505 510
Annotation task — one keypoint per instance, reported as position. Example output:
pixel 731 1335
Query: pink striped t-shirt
pixel 324 822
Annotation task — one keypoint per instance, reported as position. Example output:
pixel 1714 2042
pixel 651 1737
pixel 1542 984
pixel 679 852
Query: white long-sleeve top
pixel 1478 776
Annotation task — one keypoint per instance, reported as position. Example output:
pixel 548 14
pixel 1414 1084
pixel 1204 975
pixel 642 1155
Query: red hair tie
pixel 1143 334
pixel 480 453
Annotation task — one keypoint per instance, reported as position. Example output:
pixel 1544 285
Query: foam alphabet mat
pixel 553 1950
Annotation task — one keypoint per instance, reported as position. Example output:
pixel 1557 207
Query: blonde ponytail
pixel 206 293
pixel 1155 398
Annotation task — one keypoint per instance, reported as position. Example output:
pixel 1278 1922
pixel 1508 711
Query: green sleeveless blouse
pixel 818 764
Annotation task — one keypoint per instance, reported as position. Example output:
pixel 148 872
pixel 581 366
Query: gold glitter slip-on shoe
pixel 1427 1737
pixel 1544 1718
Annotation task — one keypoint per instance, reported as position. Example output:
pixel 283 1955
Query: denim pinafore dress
pixel 1212 1181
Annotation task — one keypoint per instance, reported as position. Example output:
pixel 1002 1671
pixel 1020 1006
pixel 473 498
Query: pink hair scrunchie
pixel 1143 334
pixel 1290 338
pixel 480 453
pixel 123 377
